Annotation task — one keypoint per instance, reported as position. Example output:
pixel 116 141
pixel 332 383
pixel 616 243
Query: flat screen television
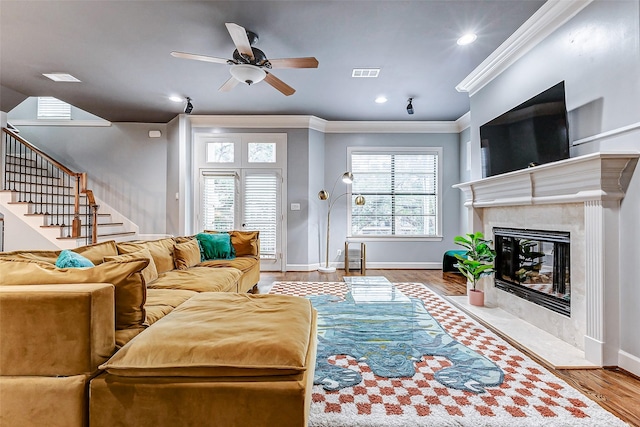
pixel 533 133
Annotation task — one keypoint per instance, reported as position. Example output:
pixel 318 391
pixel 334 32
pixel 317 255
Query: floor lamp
pixel 347 178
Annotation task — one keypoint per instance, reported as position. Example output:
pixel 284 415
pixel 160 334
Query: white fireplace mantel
pixel 598 181
pixel 597 176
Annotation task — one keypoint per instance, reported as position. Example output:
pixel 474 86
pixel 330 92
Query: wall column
pixel 601 282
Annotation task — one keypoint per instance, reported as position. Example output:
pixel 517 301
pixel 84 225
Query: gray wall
pixel 395 252
pixel 173 173
pixel 597 54
pixel 126 168
pixel 317 208
pixel 298 158
pixel 314 160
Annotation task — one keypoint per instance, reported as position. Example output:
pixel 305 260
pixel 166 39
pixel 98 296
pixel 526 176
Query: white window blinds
pixel 52 108
pixel 261 209
pixel 400 190
pixel 218 202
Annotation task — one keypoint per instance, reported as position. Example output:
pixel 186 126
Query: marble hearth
pixel 581 196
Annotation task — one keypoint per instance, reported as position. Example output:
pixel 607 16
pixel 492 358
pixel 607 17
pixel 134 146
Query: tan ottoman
pixel 219 359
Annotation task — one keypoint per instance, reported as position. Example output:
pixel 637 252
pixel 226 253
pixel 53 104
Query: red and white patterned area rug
pixel 530 395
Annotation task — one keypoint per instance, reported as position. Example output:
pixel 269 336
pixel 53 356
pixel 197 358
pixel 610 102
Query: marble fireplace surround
pixel 581 195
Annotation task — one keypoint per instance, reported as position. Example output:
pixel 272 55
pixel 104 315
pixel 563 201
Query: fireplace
pixel 534 265
pixel 582 196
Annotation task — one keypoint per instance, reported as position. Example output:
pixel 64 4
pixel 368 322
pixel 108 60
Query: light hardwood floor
pixel 614 389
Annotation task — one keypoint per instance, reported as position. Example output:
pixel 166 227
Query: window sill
pixel 56 122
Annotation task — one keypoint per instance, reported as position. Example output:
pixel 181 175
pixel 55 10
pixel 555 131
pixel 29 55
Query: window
pixel 220 152
pixel 218 201
pixel 261 152
pixel 52 108
pixel 401 189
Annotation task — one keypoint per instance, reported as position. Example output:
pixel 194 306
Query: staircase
pixel 53 201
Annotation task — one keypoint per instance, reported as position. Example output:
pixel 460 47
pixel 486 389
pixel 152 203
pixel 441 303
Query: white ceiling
pixel 120 50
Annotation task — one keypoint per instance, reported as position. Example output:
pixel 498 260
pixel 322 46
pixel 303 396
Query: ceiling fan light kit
pixel 249 74
pixel 249 64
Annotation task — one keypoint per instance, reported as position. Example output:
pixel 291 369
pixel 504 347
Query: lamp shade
pixel 359 200
pixel 323 195
pixel 247 73
pixel 347 177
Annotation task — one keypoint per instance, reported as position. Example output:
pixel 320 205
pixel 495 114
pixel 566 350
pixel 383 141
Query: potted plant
pixel 477 263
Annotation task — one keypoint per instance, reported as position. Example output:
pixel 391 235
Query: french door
pixel 243 198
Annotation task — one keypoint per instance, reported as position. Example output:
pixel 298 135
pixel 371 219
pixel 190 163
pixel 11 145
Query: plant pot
pixel 476 297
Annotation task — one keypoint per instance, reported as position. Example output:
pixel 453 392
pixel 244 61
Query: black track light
pixel 410 106
pixel 189 106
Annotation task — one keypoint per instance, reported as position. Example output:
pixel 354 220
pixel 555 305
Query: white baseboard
pixel 404 265
pixel 594 350
pixel 629 362
pixel 373 265
pixel 302 267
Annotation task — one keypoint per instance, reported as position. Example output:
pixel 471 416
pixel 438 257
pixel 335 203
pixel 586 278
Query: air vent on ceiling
pixel 61 77
pixel 365 72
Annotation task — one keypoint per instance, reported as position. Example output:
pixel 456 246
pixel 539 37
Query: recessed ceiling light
pixel 61 77
pixel 381 100
pixel 176 98
pixel 467 39
pixel 365 72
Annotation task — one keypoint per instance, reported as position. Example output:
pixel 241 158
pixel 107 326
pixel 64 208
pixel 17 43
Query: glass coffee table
pixel 374 290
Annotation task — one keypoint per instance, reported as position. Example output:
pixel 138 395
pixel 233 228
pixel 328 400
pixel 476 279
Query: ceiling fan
pixel 249 64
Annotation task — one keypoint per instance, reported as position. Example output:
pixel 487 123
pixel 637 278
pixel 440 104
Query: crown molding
pixel 326 126
pixel 551 16
pixel 464 121
pixel 259 121
pixel 391 127
pixel 291 122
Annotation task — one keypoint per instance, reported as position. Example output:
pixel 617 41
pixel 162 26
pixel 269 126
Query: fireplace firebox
pixel 534 265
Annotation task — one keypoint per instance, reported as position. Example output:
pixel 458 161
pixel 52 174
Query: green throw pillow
pixel 70 259
pixel 216 246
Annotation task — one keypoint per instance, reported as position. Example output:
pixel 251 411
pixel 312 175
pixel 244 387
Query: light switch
pixel 295 206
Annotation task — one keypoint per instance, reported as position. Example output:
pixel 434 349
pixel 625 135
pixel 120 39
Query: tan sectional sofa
pixel 154 336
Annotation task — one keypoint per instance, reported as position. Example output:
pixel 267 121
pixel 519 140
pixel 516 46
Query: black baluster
pixel 31 177
pixel 21 172
pixel 5 143
pixel 55 206
pixel 47 191
pixel 41 186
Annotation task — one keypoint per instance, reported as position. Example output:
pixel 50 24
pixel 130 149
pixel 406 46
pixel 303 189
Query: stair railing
pixel 51 188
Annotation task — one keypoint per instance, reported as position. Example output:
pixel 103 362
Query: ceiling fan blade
pixel 279 84
pixel 239 36
pixel 228 85
pixel 199 57
pixel 308 62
